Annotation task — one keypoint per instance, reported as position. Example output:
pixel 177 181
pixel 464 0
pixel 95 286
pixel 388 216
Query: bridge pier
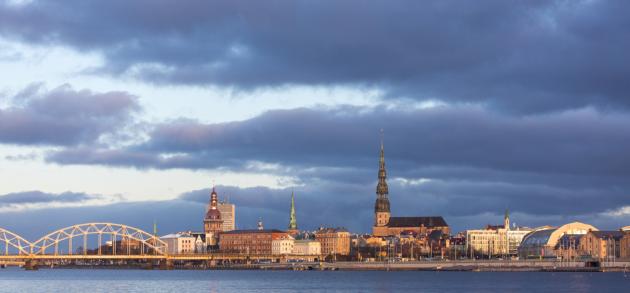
pixel 30 265
pixel 166 264
pixel 148 265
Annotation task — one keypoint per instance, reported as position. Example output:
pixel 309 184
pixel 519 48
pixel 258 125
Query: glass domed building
pixel 544 242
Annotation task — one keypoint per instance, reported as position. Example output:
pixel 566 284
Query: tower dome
pixel 213 212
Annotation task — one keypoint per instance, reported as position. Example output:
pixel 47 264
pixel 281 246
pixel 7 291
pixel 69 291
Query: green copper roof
pixel 293 218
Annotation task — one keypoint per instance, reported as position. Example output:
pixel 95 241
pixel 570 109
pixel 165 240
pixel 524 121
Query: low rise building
pixel 624 246
pixel 307 247
pixel 439 243
pixel 602 245
pixel 334 241
pixel 283 245
pixel 250 242
pixel 568 247
pixel 179 243
pixel 499 240
pixel 377 241
pixel 457 246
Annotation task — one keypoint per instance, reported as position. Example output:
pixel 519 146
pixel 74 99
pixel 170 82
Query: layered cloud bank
pixel 526 56
pixel 37 200
pixel 64 116
pixel 572 164
pixel 485 106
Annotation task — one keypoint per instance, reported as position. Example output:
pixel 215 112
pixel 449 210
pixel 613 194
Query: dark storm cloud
pixel 38 197
pixel 520 56
pixel 477 161
pixel 64 116
pixel 576 142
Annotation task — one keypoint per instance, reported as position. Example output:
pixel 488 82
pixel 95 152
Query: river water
pixel 102 280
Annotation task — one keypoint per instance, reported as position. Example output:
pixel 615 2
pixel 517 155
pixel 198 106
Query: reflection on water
pixel 59 280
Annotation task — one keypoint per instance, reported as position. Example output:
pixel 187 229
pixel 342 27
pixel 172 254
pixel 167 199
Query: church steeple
pixel 381 189
pixel 292 218
pixel 381 206
pixel 212 222
pixel 213 199
pixel 506 220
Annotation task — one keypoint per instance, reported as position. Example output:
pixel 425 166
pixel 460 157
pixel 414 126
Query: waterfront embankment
pixel 474 266
pixel 464 265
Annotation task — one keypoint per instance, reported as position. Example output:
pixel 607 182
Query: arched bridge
pixel 120 236
pixel 105 244
pixel 13 242
pixel 88 241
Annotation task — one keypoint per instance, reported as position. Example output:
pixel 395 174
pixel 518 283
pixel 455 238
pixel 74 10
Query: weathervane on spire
pixel 382 137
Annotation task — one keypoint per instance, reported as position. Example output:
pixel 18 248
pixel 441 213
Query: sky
pixel 131 111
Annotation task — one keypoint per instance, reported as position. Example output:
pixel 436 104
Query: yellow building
pixel 333 241
pixel 601 245
pixel 624 245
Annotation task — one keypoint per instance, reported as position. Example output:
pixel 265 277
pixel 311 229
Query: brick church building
pixel 386 225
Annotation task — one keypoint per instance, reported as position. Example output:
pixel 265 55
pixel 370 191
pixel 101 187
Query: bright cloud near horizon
pixel 128 111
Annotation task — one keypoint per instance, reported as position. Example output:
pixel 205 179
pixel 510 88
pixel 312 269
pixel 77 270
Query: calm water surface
pixel 60 280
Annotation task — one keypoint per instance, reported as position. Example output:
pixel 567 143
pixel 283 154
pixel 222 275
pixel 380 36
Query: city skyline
pixel 130 117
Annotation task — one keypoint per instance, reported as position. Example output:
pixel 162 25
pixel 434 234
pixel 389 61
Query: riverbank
pixel 513 266
pixel 443 266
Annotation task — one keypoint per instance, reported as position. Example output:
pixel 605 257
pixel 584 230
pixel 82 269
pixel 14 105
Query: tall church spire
pixel 382 191
pixel 293 218
pixel 506 220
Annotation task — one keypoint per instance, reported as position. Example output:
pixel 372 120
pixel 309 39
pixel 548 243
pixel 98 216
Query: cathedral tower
pixel 381 207
pixel 212 222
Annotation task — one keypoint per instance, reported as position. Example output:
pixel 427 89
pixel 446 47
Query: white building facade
pixel 307 247
pixel 282 246
pixel 179 243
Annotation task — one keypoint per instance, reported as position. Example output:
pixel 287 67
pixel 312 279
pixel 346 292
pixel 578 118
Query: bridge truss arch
pixel 121 237
pixel 12 241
